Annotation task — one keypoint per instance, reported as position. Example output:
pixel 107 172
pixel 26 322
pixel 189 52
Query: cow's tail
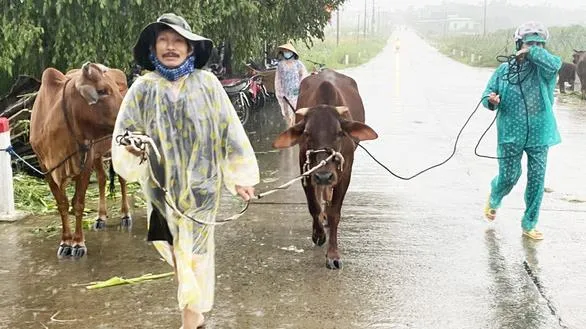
pixel 112 174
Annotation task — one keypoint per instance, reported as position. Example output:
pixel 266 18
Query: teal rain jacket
pixel 538 80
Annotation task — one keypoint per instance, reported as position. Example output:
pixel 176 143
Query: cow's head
pixel 102 90
pixel 577 55
pixel 320 132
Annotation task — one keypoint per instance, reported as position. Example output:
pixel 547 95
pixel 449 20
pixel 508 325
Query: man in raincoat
pixel 202 144
pixel 290 72
pixel 522 92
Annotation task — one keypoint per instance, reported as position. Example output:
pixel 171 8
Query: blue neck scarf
pixel 173 74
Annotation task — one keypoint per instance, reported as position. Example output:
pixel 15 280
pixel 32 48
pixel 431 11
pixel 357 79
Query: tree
pixel 64 34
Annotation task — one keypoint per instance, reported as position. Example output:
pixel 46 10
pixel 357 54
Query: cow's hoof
pixel 64 251
pixel 126 222
pixel 333 264
pixel 79 251
pixel 100 224
pixel 319 240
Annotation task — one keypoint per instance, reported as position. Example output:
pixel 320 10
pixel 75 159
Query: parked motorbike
pixel 267 79
pixel 246 94
pixel 235 88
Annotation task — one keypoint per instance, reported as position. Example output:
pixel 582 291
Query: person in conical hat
pixel 290 72
pixel 202 146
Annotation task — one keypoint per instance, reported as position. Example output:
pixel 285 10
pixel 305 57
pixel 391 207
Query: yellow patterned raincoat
pixel 203 145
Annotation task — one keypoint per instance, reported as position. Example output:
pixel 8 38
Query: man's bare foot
pixel 192 319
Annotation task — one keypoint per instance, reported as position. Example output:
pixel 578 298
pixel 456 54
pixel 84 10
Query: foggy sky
pixel 401 4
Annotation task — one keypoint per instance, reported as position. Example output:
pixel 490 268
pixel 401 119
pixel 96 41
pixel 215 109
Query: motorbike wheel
pixel 242 109
pixel 260 101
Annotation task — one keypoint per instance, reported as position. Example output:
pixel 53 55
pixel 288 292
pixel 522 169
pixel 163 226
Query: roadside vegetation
pixel 32 195
pixel 562 42
pixel 482 51
pixel 48 33
pixel 352 50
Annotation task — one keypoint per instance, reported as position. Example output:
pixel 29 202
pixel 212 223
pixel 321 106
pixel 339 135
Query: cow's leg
pixel 124 208
pixel 63 207
pixel 102 206
pixel 333 260
pixel 81 184
pixel 562 85
pixel 319 235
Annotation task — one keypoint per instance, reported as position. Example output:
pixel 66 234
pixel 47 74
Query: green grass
pixel 562 41
pixel 32 195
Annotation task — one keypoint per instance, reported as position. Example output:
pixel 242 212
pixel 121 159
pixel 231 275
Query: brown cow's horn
pixel 342 109
pixel 302 111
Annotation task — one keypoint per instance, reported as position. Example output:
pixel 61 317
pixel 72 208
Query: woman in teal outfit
pixel 525 121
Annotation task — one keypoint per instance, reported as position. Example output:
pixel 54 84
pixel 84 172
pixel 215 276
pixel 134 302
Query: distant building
pixel 463 25
pixel 450 25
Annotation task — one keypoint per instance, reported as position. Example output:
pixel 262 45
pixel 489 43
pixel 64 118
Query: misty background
pixel 458 17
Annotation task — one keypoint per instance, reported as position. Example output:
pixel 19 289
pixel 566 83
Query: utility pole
pixel 338 27
pixel 358 30
pixel 372 20
pixel 379 19
pixel 445 18
pixel 484 28
pixel 365 2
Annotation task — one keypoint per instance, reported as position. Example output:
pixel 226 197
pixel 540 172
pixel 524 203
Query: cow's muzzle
pixel 323 178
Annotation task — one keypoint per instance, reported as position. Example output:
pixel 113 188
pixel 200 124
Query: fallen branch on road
pixel 116 281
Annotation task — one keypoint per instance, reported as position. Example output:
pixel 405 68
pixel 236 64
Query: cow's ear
pixel 358 130
pixel 89 93
pixel 290 136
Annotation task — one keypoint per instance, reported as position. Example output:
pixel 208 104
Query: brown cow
pixel 329 119
pixel 580 61
pixel 71 125
pixel 567 74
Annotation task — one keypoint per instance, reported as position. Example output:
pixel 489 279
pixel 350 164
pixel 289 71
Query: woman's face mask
pixel 288 54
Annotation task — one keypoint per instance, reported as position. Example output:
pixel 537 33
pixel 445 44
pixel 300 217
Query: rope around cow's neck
pixel 140 142
pixel 11 151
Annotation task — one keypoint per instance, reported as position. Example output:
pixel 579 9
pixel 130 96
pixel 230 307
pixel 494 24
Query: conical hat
pixel 288 46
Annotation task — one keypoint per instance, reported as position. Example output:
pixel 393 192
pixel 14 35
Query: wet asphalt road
pixel 417 254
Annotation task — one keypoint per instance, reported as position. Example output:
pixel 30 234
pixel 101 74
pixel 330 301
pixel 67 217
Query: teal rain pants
pixel 509 173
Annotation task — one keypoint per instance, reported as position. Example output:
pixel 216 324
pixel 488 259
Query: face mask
pixel 287 54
